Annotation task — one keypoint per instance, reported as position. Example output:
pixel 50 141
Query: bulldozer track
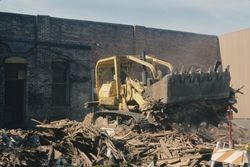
pixel 139 119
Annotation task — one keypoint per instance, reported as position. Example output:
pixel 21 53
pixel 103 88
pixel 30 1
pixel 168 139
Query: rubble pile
pixel 67 142
pixel 163 148
pixel 70 143
pixel 241 135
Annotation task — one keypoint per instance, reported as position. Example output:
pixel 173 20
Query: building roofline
pixel 233 32
pixel 108 23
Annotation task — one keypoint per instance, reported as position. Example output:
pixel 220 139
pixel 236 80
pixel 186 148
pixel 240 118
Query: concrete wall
pixel 235 51
pixel 43 39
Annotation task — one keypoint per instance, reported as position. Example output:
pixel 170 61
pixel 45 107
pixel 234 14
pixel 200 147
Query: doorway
pixel 15 76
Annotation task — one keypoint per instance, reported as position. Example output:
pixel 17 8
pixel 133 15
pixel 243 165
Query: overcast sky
pixel 198 16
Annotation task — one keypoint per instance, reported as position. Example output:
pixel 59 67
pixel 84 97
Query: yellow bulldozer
pixel 134 89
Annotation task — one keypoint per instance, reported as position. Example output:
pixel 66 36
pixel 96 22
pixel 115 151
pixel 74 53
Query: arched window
pixel 60 90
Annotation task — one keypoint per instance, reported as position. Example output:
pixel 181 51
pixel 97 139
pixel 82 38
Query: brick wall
pixel 43 39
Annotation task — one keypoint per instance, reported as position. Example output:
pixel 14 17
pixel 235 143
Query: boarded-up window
pixel 60 83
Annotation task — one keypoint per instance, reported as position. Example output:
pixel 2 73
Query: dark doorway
pixel 15 72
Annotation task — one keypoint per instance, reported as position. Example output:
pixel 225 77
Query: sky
pixel 213 17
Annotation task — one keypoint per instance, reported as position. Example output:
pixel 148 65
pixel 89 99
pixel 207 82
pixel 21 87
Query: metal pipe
pixel 230 128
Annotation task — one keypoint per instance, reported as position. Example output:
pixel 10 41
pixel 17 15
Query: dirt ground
pixel 242 122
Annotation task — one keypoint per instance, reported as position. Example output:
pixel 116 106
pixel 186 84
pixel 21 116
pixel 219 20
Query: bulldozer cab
pixel 108 81
pixel 111 74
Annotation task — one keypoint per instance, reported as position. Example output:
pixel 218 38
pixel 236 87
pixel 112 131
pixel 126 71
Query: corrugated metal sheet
pixel 235 51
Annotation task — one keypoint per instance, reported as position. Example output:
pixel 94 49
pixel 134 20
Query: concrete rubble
pixel 70 143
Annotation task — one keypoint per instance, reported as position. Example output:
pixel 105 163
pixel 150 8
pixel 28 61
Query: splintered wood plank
pixel 188 157
pixel 85 158
pixel 173 160
pixel 165 149
pixel 193 163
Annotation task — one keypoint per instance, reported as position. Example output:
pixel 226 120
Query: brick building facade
pixel 46 63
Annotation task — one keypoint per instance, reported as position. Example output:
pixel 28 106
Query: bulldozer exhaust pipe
pixel 144 73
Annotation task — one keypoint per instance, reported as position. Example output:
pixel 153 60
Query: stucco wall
pixel 235 51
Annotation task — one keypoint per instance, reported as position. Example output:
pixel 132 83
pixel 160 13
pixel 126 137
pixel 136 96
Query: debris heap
pixel 69 143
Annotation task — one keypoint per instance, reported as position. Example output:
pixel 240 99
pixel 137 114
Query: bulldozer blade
pixel 176 88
